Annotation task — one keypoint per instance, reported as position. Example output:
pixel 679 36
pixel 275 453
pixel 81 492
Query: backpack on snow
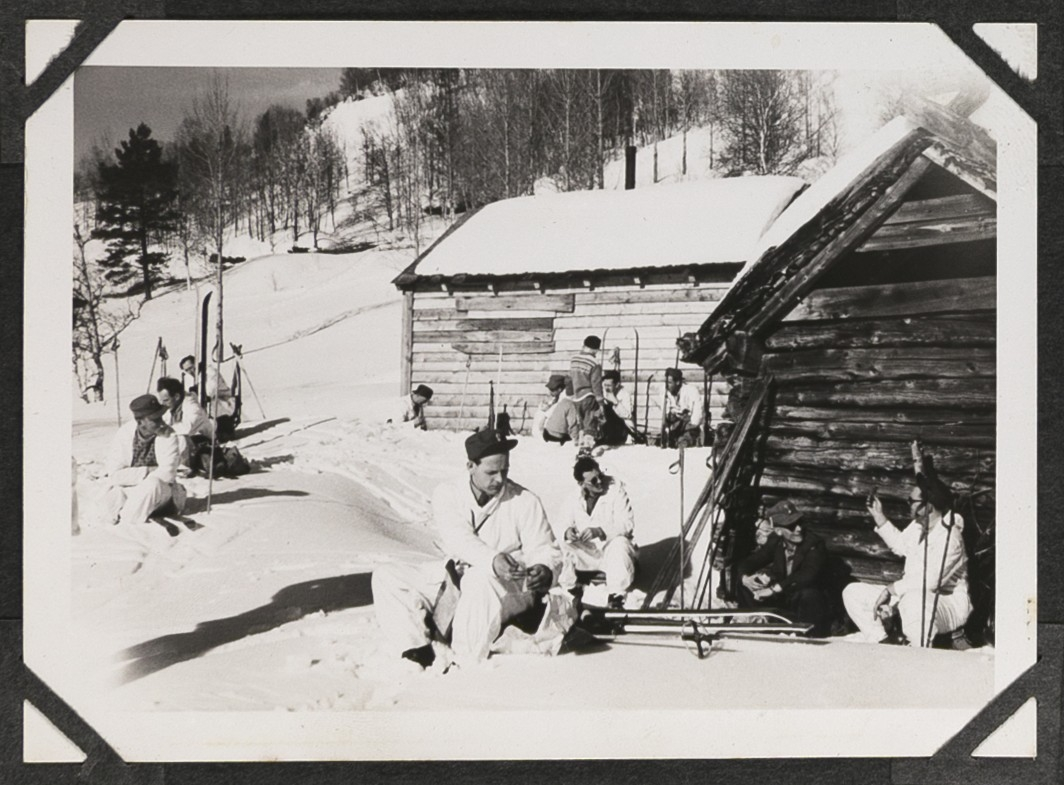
pixel 228 461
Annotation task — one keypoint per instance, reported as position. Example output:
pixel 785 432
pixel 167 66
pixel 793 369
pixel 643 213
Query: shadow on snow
pixel 290 604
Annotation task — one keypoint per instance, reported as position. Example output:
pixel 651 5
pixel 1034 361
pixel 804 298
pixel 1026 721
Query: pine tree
pixel 136 208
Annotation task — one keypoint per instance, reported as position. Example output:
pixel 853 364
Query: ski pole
pixel 923 598
pixel 646 409
pixel 705 409
pixel 118 394
pixel 153 359
pixel 465 386
pixel 258 403
pixel 245 376
pixel 664 413
pixel 941 571
pixel 210 467
pixel 678 468
pixel 635 383
pixel 683 560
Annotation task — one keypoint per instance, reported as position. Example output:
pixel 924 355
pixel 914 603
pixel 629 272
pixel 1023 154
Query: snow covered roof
pixel 817 196
pixel 787 246
pixel 701 222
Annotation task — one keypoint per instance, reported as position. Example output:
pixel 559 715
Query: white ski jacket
pixel 907 543
pixel 512 522
pixel 613 513
pixel 120 458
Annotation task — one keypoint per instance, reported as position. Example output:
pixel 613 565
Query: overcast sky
pixel 108 101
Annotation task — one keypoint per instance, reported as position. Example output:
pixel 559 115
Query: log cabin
pixel 508 294
pixel 869 314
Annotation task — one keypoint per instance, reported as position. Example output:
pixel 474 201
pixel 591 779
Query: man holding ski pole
pixel 931 597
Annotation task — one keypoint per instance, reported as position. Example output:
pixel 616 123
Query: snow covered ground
pixel 268 605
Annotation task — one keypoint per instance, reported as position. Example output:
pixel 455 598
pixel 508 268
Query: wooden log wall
pixel 861 372
pixel 457 338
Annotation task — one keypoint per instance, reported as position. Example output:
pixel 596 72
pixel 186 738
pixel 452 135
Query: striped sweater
pixel 586 373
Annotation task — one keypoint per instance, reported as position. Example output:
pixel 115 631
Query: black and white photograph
pixel 463 391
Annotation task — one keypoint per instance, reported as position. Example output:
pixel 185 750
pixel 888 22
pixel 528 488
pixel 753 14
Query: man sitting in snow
pixel 411 408
pixel 616 409
pixel 142 466
pixel 502 556
pixel 599 523
pixel 682 420
pixel 563 422
pixel 555 386
pixel 786 572
pixel 931 597
pixel 186 418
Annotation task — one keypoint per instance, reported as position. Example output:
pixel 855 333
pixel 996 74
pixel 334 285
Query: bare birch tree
pixel 210 140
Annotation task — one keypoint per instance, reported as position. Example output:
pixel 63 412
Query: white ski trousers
pixel 135 503
pixel 952 612
pixel 616 559
pixel 403 597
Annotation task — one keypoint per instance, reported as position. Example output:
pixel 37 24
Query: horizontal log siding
pixel 859 377
pixel 539 334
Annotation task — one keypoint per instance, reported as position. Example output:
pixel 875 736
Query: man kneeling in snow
pixel 411 408
pixel 503 556
pixel 142 466
pixel 599 523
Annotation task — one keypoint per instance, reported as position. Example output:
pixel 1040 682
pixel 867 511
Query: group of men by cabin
pixel 591 407
pixel 504 561
pixel 503 556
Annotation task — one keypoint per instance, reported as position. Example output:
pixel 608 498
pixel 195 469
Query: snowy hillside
pixel 347 120
pixel 703 155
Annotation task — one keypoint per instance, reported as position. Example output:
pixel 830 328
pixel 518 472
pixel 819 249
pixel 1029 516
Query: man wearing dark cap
pixel 585 370
pixel 142 466
pixel 681 422
pixel 785 572
pixel 502 555
pixel 411 408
